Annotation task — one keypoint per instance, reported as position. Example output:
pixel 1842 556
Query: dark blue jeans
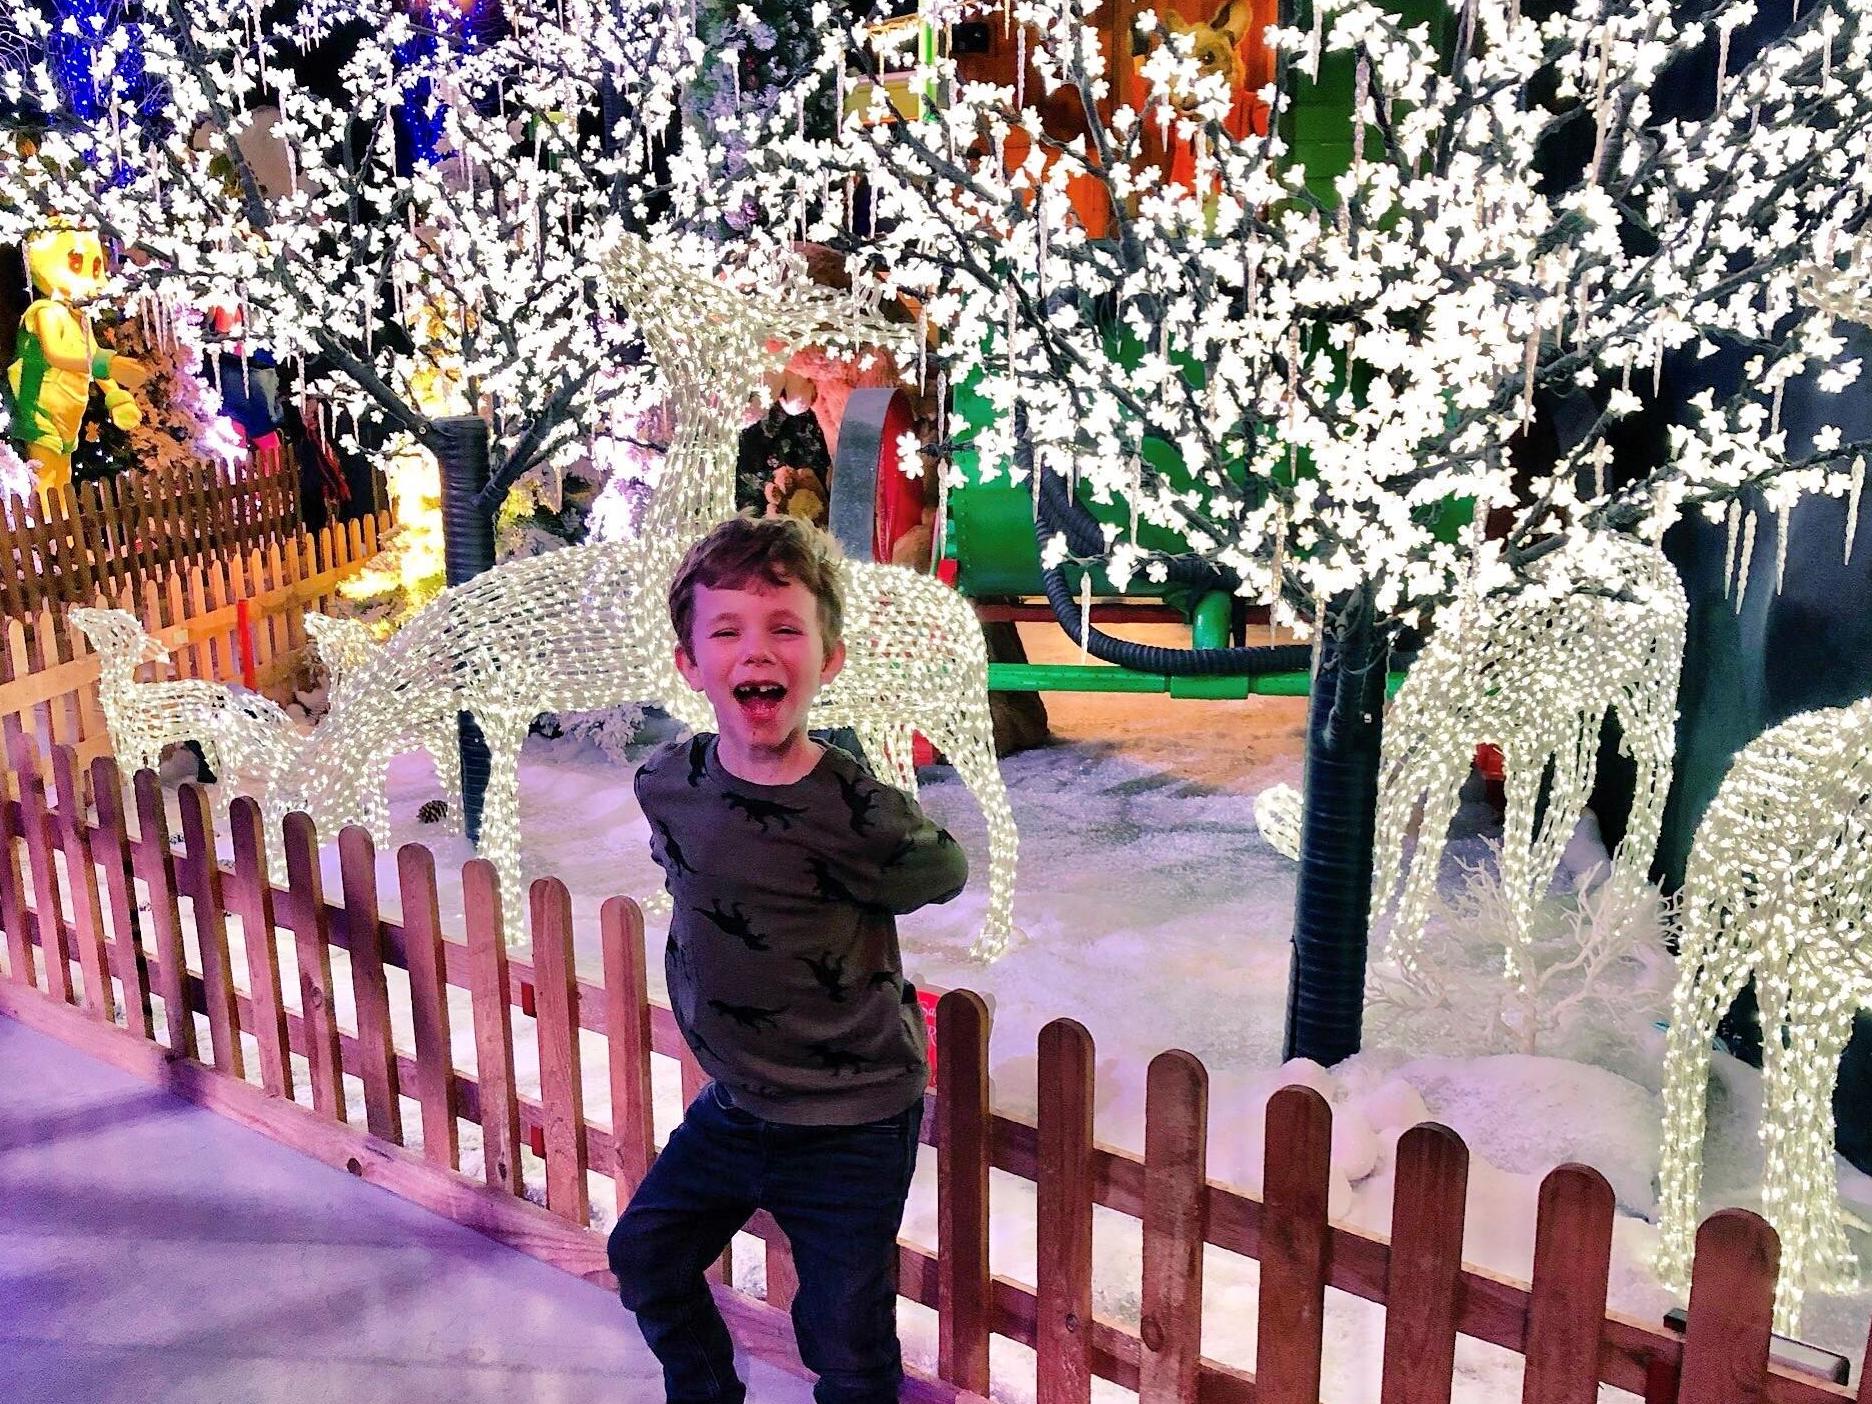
pixel 838 1194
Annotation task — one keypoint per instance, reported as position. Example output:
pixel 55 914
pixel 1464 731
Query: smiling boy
pixel 785 861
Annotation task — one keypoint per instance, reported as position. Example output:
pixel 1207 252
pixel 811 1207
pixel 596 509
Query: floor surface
pixel 152 1251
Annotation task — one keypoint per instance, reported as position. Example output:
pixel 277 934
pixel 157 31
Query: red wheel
pixel 875 504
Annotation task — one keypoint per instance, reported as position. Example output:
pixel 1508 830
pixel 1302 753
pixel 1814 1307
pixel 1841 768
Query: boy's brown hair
pixel 773 550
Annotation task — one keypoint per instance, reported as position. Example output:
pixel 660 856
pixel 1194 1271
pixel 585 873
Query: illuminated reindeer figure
pixel 1534 673
pixel 1779 886
pixel 915 657
pixel 142 718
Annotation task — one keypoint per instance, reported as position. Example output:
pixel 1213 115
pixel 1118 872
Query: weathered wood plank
pixel 1732 1280
pixel 1296 1174
pixel 1063 1263
pixel 74 837
pixel 1566 1310
pixel 157 869
pixel 1424 1288
pixel 48 906
pixel 22 961
pixel 964 1303
pixel 422 950
pixel 1176 1141
pixel 202 884
pixel 556 1026
pixel 251 898
pixel 627 1023
pixel 312 945
pixel 357 871
pixel 487 966
pixel 111 848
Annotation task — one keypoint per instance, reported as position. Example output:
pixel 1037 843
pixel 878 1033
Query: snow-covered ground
pixel 1152 911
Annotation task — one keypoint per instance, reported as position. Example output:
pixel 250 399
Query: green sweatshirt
pixel 783 966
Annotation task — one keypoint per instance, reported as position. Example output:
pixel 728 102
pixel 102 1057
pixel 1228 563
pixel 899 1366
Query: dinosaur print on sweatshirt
pixel 762 811
pixel 748 1016
pixel 828 968
pixel 734 922
pixel 673 851
pixel 785 971
pixel 860 798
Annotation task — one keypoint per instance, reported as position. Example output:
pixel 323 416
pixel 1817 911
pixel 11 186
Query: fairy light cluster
pixel 1535 671
pixel 587 626
pixel 916 660
pixel 235 729
pixel 1778 888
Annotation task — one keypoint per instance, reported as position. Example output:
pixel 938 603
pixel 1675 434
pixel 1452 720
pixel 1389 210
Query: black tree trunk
pixel 1332 918
pixel 467 550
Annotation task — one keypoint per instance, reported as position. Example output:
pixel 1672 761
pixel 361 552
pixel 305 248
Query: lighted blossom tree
pixel 1344 366
pixel 452 301
pixel 431 296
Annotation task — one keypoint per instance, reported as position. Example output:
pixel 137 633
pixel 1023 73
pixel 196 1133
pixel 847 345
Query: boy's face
pixel 758 654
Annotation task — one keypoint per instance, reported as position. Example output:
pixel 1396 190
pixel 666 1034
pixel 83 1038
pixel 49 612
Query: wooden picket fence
pixel 86 967
pixel 126 532
pixel 237 616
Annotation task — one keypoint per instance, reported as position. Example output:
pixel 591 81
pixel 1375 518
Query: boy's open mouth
pixel 759 699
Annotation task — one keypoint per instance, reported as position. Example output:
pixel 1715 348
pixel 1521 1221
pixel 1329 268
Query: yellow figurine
pixel 57 355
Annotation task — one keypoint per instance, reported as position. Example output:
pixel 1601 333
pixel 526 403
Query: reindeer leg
pixel 966 741
pixel 500 810
pixel 890 747
pixel 1712 966
pixel 1802 1043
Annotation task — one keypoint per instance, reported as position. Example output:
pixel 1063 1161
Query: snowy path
pixel 150 1250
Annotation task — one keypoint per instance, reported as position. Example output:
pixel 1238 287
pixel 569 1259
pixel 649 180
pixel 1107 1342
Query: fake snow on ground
pixel 1153 912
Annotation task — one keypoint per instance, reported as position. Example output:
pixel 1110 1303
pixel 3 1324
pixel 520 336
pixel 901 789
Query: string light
pixel 1777 888
pixel 1535 673
pixel 142 718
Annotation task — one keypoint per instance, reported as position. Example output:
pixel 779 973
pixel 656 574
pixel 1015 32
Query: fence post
pixel 1176 1172
pixel 428 978
pixel 1567 1305
pixel 81 875
pixel 253 904
pixel 113 854
pixel 1063 1272
pixel 312 945
pixel 494 1065
pixel 48 914
pixel 357 871
pixel 964 1307
pixel 562 1098
pixel 203 885
pixel 1296 1181
pixel 13 896
pixel 1423 1286
pixel 627 1034
pixel 1732 1282
pixel 158 875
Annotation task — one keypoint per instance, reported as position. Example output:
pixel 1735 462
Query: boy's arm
pixel 909 861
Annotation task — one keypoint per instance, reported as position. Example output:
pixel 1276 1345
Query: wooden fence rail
pixel 79 956
pixel 236 616
pixel 124 532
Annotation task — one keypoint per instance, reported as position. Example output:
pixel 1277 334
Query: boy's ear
pixel 834 660
pixel 686 665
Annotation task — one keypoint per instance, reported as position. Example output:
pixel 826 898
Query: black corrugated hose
pixel 1059 513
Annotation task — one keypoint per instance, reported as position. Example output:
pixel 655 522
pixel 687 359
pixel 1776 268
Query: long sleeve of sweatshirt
pixel 783 964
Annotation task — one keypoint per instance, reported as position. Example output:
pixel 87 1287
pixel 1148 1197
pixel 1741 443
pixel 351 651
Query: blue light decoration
pixel 71 53
pixel 464 26
pixel 79 29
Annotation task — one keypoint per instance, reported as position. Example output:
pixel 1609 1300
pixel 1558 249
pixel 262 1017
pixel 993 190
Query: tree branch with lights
pixel 1347 367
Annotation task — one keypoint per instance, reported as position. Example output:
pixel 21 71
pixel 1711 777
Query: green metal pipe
pixel 1100 677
